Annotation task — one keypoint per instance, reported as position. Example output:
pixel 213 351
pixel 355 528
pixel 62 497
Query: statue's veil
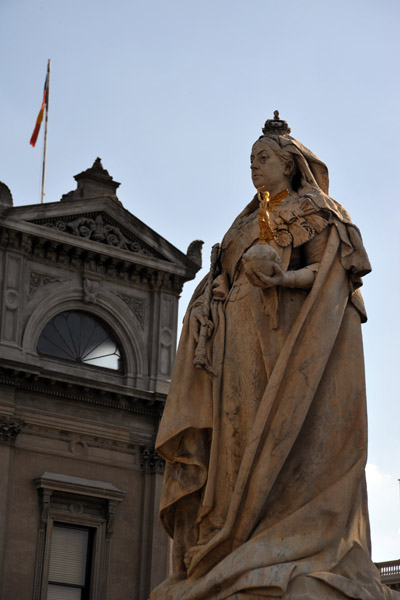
pixel 313 171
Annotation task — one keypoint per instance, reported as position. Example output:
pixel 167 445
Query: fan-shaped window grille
pixel 81 338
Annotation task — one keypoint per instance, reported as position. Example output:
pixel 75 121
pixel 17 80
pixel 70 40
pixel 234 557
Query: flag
pixel 40 115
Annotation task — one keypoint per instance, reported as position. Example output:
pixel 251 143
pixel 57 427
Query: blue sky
pixel 171 95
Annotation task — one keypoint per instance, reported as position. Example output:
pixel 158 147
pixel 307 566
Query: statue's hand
pixel 257 277
pixel 198 320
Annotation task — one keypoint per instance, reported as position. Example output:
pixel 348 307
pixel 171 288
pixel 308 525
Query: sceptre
pixel 200 360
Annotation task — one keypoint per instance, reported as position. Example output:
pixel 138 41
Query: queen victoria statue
pixel 264 431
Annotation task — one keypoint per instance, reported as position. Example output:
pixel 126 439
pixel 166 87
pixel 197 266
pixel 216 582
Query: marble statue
pixel 264 431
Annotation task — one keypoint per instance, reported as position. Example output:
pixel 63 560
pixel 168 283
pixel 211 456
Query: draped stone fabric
pixel 264 491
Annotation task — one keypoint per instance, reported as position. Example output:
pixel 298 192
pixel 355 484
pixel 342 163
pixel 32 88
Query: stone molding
pixel 57 482
pixel 76 501
pixel 80 393
pixel 71 257
pixel 109 309
pixel 119 448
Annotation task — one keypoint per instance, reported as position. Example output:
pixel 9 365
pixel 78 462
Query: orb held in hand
pixel 261 257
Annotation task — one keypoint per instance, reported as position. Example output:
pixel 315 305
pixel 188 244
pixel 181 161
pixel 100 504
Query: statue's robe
pixel 264 490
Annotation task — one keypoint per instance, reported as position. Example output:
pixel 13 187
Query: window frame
pixel 91 536
pixel 120 370
pixel 63 500
pixel 96 550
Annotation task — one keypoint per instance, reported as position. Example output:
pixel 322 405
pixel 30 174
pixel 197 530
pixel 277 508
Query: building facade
pixel 89 299
pixel 390 573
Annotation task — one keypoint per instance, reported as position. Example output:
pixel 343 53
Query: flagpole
pixel 45 132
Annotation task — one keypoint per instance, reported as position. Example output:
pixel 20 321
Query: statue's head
pixel 272 169
pixel 279 161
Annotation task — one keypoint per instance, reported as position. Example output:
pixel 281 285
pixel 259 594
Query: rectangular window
pixel 74 535
pixel 70 562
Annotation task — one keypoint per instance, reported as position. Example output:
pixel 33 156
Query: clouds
pixel 384 511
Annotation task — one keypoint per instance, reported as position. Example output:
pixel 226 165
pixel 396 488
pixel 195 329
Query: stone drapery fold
pixel 282 513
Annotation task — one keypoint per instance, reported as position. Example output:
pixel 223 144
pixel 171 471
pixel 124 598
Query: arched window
pixel 80 337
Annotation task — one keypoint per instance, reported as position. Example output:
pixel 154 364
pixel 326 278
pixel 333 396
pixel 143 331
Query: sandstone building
pixel 88 314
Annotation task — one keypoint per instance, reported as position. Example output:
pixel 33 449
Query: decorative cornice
pixel 45 386
pixel 9 429
pixel 11 239
pixel 58 253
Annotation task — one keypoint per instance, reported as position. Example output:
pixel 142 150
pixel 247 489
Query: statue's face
pixel 267 168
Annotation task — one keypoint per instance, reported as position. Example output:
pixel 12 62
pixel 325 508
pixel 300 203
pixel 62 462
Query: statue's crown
pixel 276 126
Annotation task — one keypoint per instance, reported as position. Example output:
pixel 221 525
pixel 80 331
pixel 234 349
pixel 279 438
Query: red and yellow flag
pixel 40 115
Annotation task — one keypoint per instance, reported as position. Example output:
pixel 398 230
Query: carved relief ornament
pixel 90 290
pixel 9 429
pixel 136 305
pixel 150 460
pixel 39 280
pixel 95 227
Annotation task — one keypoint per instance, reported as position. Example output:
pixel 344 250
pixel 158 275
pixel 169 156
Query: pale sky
pixel 172 93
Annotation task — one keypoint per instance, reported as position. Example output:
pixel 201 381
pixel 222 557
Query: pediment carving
pixel 100 227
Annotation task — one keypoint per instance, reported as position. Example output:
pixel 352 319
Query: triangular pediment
pixel 93 219
pixel 99 226
pixel 104 221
